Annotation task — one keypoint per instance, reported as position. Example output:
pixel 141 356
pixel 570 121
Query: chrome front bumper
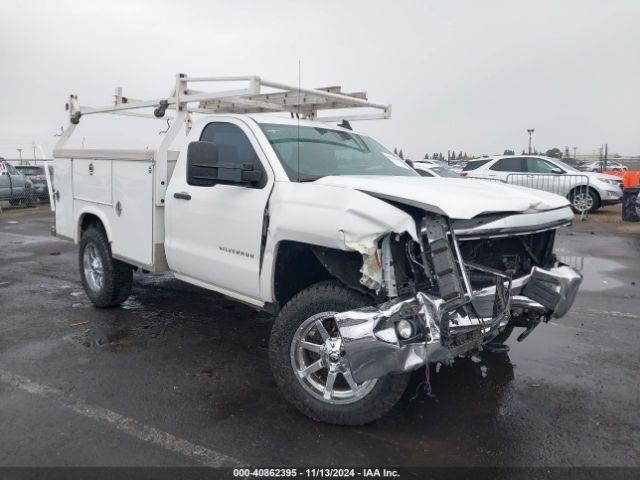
pixel 373 347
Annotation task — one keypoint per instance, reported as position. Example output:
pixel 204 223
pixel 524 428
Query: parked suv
pixel 14 186
pixel 38 177
pixel 587 191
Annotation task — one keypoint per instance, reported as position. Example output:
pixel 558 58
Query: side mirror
pixel 557 170
pixel 204 168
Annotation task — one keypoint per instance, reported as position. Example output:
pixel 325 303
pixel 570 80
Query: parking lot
pixel 180 376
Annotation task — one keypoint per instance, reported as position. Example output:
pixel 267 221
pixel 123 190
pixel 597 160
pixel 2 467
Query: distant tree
pixel 524 152
pixel 554 152
pixel 400 154
pixel 453 154
pixel 441 156
pixel 509 152
pixel 466 157
pixel 435 156
pixel 395 150
pixel 426 156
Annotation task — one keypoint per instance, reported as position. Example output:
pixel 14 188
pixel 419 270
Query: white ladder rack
pixel 250 96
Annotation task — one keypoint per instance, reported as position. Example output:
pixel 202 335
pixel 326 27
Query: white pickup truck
pixel 371 270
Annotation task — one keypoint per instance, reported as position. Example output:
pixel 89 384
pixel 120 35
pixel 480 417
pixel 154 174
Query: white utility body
pixel 306 219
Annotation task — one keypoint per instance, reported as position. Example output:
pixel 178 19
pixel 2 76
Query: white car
pixel 587 191
pixel 598 167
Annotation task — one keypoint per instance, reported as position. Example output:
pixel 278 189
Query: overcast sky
pixel 461 75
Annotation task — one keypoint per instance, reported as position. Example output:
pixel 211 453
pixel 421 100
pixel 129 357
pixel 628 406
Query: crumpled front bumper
pixel 373 347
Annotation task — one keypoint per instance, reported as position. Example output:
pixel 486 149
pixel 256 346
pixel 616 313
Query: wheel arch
pixel 591 189
pixel 298 265
pixel 91 216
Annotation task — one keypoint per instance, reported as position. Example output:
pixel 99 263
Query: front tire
pixel 106 281
pixel 305 355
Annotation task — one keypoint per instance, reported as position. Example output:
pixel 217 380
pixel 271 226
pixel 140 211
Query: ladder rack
pixel 252 98
pixel 250 94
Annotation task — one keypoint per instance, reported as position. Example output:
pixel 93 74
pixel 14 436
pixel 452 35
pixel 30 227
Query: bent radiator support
pixel 373 347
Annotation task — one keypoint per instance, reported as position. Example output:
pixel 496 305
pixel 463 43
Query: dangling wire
pixel 165 131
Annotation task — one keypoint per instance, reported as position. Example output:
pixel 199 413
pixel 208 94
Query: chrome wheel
pixel 93 268
pixel 582 202
pixel 317 358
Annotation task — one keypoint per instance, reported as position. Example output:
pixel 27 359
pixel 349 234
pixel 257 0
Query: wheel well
pixel 87 220
pixel 299 265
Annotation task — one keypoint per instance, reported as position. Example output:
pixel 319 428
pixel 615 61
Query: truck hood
pixel 456 198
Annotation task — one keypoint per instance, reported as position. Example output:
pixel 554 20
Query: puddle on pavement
pixel 602 274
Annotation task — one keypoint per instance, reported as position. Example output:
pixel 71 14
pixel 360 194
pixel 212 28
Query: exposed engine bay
pixel 450 295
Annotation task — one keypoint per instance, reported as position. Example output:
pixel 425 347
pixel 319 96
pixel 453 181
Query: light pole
pixel 574 151
pixel 20 153
pixel 530 132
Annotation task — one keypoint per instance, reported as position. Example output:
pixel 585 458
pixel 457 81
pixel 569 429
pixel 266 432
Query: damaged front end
pixel 451 296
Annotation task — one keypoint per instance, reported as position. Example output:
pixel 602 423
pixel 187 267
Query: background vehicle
pixel 371 270
pixel 433 170
pixel 38 177
pixel 598 166
pixel 15 187
pixel 585 190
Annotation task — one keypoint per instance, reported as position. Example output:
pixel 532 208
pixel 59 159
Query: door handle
pixel 182 196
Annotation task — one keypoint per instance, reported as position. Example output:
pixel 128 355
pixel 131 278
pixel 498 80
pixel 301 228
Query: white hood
pixel 456 198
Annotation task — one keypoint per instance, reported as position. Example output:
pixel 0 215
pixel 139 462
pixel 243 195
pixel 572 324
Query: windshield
pixel 323 152
pixel 445 172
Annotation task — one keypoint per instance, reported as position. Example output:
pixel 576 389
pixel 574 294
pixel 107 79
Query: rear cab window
pixel 31 170
pixel 475 164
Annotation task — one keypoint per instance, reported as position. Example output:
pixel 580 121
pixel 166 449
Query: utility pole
pixel 566 151
pixel 33 144
pixel 20 153
pixel 606 153
pixel 530 132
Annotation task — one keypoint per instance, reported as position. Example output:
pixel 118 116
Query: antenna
pixel 298 120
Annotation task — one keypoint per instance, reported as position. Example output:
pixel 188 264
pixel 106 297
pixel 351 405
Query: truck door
pixel 17 182
pixel 213 234
pixel 5 181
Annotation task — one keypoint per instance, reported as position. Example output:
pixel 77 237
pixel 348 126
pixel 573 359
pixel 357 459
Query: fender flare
pixel 91 210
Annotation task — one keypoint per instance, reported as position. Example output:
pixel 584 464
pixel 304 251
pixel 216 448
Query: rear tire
pixel 106 281
pixel 344 402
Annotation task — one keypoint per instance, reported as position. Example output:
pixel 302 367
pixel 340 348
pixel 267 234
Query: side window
pixel 474 164
pixel 11 169
pixel 233 145
pixel 538 165
pixel 232 161
pixel 510 164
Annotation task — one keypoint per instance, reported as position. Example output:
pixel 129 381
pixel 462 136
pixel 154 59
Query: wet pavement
pixel 178 369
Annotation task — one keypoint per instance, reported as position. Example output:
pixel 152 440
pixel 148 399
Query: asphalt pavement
pixel 180 376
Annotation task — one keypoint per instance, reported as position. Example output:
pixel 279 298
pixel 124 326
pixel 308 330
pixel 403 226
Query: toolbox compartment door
pixel 132 216
pixel 63 197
